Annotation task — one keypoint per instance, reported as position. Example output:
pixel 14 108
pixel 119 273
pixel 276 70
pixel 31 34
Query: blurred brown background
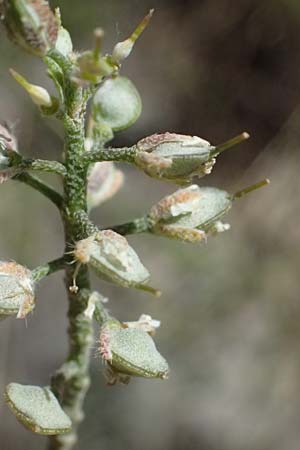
pixel 231 309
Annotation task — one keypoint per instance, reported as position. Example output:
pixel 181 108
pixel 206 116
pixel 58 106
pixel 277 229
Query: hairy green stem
pixel 140 225
pixel 41 165
pixel 72 380
pixel 47 269
pixel 42 187
pixel 124 154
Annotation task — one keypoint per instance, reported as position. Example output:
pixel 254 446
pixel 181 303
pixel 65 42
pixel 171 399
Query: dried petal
pixel 146 323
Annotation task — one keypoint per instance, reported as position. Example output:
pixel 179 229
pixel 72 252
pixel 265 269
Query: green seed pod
pixel 104 181
pixel 117 104
pixel 192 213
pixel 130 352
pixel 111 257
pixel 30 24
pixel 37 409
pixel 177 157
pixel 16 290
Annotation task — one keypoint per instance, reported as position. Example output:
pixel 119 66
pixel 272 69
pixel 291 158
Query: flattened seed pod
pixel 16 290
pixel 178 157
pixel 130 352
pixel 192 213
pixel 117 103
pixel 112 258
pixel 37 409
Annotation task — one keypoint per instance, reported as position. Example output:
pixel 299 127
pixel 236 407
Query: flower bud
pixel 92 69
pixel 130 352
pixel 30 24
pixel 111 257
pixel 16 290
pixel 192 213
pixel 38 94
pixel 178 157
pixel 123 49
pixel 37 409
pixel 104 181
pixel 116 103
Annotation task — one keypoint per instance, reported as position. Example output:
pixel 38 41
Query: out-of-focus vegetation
pixel 231 309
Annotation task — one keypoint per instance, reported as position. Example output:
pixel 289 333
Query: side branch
pixel 42 187
pixel 42 165
pixel 125 154
pixel 47 269
pixel 140 225
pixel 87 227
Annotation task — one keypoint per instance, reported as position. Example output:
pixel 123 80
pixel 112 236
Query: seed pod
pixel 31 24
pixel 117 104
pixel 16 290
pixel 104 181
pixel 192 213
pixel 37 409
pixel 111 257
pixel 130 352
pixel 177 157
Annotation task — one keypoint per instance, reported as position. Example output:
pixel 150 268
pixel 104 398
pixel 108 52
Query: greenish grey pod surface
pixel 37 409
pixel 117 103
pixel 112 258
pixel 213 203
pixel 132 351
pixel 190 213
pixel 175 157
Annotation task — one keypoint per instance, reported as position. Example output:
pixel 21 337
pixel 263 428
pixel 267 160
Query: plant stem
pixel 140 225
pixel 71 382
pixel 52 266
pixel 41 165
pixel 42 187
pixel 125 154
